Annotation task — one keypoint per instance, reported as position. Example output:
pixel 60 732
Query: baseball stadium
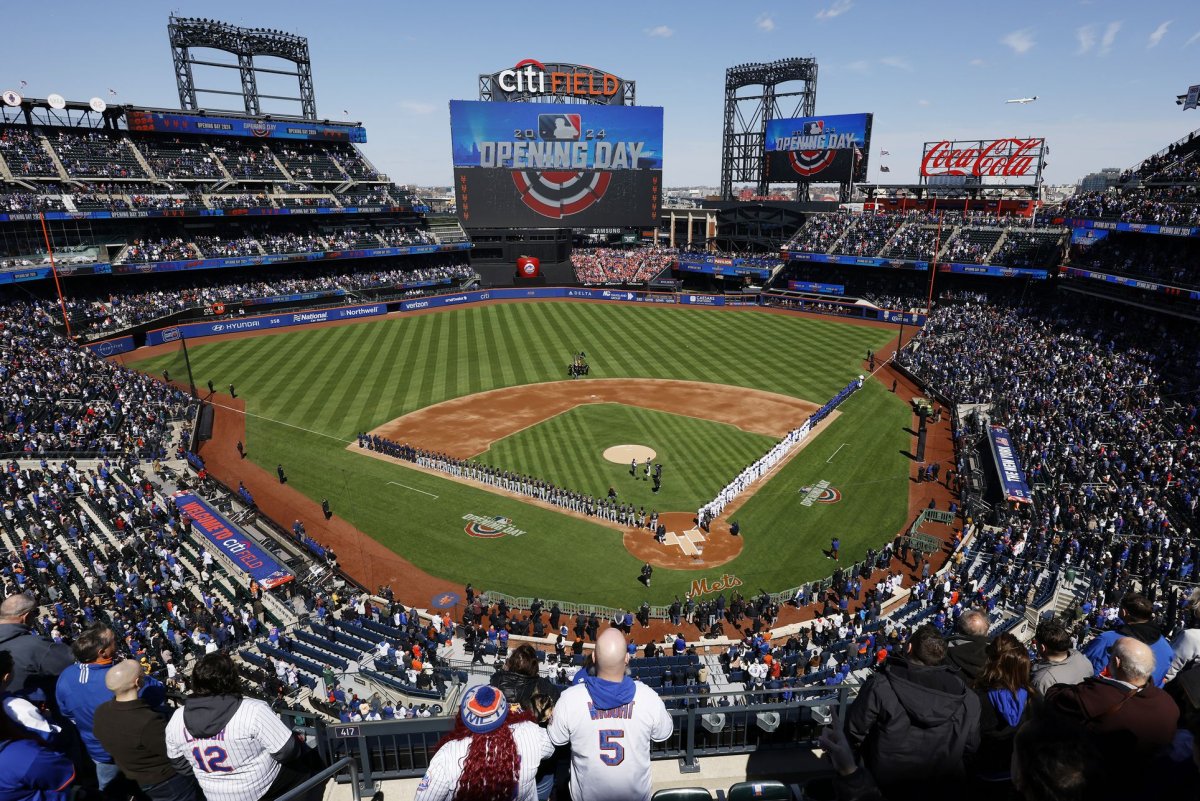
pixel 320 484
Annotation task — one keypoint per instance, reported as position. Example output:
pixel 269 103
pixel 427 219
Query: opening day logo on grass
pixel 490 527
pixel 820 492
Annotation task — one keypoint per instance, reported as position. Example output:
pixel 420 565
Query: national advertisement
pixel 833 148
pixel 240 549
pixel 1012 478
pixel 263 322
pixel 548 165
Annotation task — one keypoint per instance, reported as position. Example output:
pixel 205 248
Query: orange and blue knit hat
pixel 484 709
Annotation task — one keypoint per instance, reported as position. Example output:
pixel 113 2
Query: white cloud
pixel 1110 36
pixel 859 66
pixel 1195 38
pixel 660 31
pixel 977 62
pixel 922 102
pixel 1086 36
pixel 1157 34
pixel 415 107
pixel 765 23
pixel 1020 41
pixel 895 62
pixel 838 8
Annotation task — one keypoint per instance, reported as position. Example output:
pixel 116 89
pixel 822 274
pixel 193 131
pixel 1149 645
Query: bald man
pixel 609 721
pixel 1131 714
pixel 135 736
pixel 37 661
pixel 967 649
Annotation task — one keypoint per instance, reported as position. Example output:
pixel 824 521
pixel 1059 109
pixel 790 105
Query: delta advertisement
pixel 1012 478
pixel 546 165
pixel 833 148
pixel 241 550
pixel 183 123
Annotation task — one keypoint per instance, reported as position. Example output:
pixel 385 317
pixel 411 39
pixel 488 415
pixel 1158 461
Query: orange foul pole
pixel 62 304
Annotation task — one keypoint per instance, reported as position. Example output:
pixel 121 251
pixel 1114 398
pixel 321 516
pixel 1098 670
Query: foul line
pixel 835 453
pixel 414 489
pixel 278 422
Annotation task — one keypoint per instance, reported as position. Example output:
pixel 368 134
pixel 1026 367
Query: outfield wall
pixel 265 322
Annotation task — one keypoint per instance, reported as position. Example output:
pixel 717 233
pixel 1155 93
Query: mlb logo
pixel 559 127
pixel 814 127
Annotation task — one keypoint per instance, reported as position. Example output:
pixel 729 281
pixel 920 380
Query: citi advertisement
pixel 546 165
pixel 829 149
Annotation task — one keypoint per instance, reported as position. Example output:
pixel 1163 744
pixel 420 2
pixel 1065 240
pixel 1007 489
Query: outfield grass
pixel 308 392
pixel 698 456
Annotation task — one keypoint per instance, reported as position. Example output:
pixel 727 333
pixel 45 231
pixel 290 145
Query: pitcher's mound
pixel 624 454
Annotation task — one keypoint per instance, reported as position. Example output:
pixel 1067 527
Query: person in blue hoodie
pixel 1136 617
pixel 29 771
pixel 81 690
pixel 609 720
pixel 1005 698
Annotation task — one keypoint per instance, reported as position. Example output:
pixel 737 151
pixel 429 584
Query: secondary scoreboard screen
pixel 827 149
pixel 550 165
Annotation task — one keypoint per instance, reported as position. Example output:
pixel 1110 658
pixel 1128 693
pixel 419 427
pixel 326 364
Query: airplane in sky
pixel 1022 100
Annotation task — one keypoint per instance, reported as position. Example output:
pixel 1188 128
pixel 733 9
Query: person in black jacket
pixel 913 722
pixel 1005 700
pixel 967 650
pixel 135 736
pixel 37 661
pixel 522 686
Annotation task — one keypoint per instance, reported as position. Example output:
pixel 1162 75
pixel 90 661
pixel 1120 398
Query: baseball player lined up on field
pixel 762 466
pixel 609 720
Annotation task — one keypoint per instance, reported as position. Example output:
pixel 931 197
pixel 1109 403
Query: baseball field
pixel 707 391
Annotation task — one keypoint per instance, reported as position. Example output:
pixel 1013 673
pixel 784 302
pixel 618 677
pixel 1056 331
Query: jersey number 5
pixel 610 741
pixel 212 760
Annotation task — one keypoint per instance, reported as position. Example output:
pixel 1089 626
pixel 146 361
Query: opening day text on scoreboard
pixel 549 165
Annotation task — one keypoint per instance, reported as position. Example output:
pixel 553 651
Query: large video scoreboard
pixel 551 165
pixel 828 149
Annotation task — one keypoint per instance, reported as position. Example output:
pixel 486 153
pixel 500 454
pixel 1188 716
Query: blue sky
pixel 1106 72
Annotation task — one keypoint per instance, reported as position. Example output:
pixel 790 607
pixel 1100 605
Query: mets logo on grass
pixel 821 492
pixel 490 528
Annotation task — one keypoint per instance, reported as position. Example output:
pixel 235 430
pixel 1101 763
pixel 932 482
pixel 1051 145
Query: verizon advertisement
pixel 984 158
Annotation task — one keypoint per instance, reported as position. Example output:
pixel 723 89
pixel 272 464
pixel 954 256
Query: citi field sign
pixel 531 77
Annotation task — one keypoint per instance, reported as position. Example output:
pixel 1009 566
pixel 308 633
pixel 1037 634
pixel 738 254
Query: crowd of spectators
pixel 620 265
pixel 96 153
pixel 178 159
pixel 866 234
pixel 1179 207
pixel 23 152
pixel 161 249
pixel 240 200
pixel 400 237
pixel 213 246
pixel 1158 258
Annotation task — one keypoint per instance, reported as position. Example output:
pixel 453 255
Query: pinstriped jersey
pixel 441 778
pixel 234 764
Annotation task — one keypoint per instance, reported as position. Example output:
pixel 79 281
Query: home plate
pixel 690 542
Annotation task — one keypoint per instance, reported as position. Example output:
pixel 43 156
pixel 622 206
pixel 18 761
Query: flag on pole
pixel 857 153
pixel 884 153
pixel 885 168
pixel 112 92
pixel 1193 97
pixel 23 84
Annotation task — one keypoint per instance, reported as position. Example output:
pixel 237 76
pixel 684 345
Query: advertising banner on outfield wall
pixel 267 321
pixel 243 551
pixel 813 286
pixel 111 347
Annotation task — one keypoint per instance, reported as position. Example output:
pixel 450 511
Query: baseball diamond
pixel 309 395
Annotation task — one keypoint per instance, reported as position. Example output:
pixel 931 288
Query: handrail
pixel 324 776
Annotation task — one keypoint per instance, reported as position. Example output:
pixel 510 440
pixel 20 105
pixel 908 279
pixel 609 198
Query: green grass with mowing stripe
pixel 309 391
pixel 699 457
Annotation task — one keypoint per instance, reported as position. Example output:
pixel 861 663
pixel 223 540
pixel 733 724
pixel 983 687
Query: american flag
pixel 885 168
pixel 857 153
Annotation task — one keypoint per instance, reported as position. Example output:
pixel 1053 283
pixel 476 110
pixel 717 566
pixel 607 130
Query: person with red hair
pixel 491 755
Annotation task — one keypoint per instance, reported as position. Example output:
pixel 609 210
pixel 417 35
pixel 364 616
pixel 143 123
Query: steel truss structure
pixel 187 34
pixel 744 139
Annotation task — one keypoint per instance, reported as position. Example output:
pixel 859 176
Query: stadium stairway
pixel 5 172
pixel 140 159
pixel 283 169
pixel 58 165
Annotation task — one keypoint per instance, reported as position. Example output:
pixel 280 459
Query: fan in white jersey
pixel 237 747
pixel 491 754
pixel 609 721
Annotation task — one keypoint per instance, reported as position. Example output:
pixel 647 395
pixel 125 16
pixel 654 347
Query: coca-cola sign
pixel 988 158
